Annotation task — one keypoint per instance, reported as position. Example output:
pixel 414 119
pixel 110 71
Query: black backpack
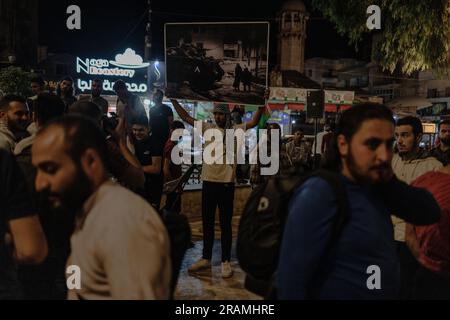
pixel 262 225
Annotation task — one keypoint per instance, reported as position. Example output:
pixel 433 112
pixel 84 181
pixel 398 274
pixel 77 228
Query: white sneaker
pixel 200 265
pixel 227 272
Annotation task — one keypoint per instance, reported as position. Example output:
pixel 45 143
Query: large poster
pixel 220 62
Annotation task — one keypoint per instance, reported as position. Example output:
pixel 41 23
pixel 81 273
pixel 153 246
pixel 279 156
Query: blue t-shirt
pixel 367 239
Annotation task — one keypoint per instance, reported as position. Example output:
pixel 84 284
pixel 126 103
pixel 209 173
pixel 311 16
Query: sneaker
pixel 227 272
pixel 200 265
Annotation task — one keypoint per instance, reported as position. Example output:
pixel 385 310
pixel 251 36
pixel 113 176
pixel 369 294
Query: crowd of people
pixel 82 188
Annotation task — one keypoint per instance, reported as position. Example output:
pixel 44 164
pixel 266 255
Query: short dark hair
pixel 38 80
pixel 177 125
pixel 47 107
pixel 349 124
pixel 6 100
pixel 414 122
pixel 298 129
pixel 80 134
pixel 97 80
pixel 141 121
pixel 86 108
pixel 276 125
pixel 444 122
pixel 58 88
pixel 67 78
pixel 119 85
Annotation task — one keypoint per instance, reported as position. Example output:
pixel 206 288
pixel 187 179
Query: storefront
pixel 289 107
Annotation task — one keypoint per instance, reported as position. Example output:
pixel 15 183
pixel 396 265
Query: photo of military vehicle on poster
pixel 220 62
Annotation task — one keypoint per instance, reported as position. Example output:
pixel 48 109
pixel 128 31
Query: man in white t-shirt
pixel 319 139
pixel 408 164
pixel 218 187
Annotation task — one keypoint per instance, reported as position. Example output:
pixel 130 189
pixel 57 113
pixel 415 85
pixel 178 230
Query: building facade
pixel 19 32
pixel 292 20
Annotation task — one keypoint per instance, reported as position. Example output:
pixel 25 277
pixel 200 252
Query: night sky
pixel 109 27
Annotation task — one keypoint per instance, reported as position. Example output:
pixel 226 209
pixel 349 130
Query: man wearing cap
pixel 218 187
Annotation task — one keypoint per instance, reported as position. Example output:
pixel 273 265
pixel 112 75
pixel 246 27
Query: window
pixel 363 81
pixel 229 54
pixel 432 93
pixel 447 92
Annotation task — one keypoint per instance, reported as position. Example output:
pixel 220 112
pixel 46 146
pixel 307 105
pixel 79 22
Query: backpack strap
pixel 340 220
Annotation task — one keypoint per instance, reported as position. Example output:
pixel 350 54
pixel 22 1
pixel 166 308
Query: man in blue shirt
pixel 315 266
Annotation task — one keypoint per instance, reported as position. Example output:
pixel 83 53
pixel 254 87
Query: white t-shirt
pixel 408 171
pixel 121 248
pixel 222 173
pixel 319 142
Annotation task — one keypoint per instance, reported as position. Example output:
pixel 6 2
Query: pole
pixel 148 36
pixel 315 136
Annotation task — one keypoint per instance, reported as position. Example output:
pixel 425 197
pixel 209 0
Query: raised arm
pixel 256 118
pixel 184 115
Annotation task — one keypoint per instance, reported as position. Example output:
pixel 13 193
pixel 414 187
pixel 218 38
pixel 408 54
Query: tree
pixel 14 80
pixel 414 36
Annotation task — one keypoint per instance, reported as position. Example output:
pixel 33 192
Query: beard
pixel 17 125
pixel 446 142
pixel 413 150
pixel 383 170
pixel 71 200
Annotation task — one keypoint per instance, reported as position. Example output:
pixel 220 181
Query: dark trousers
pixel 173 202
pixel 217 195
pixel 154 191
pixel 430 286
pixel 408 269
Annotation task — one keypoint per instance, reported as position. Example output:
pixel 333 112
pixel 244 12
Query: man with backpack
pixel 338 241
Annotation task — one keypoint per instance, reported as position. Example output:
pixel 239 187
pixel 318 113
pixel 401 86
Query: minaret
pixel 292 21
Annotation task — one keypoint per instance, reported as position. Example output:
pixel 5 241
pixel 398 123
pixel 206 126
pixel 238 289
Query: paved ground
pixel 209 285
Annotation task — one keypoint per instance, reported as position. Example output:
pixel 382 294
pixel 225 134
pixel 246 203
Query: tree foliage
pixel 414 36
pixel 14 80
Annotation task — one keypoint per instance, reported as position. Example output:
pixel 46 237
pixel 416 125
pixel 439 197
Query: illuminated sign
pixel 127 66
pixel 429 128
pixel 157 75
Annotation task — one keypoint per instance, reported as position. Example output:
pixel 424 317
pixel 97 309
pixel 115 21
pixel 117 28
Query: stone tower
pixel 292 19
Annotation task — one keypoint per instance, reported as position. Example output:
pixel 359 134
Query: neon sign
pixel 126 65
pixel 84 86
